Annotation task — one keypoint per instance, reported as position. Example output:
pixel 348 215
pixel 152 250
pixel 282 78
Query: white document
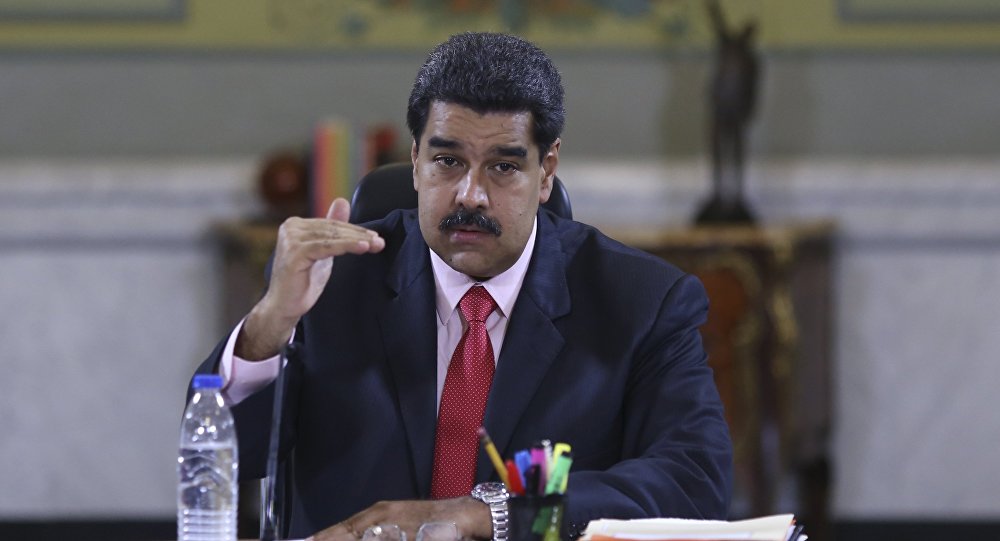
pixel 772 528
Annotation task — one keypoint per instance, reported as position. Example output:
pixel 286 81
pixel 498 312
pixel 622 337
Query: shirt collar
pixel 450 285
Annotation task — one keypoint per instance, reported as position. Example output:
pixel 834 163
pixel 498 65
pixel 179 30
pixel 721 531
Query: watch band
pixel 495 495
pixel 501 523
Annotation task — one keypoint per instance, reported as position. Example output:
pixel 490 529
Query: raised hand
pixel 303 259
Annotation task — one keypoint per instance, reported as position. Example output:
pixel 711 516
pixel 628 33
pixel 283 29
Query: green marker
pixel 559 475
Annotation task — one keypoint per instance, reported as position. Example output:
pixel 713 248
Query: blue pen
pixel 523 461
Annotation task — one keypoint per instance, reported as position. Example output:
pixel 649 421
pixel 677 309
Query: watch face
pixel 490 492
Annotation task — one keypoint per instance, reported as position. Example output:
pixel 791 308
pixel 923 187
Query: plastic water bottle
pixel 207 465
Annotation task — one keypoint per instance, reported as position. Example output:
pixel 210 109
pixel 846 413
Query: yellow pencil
pixel 491 451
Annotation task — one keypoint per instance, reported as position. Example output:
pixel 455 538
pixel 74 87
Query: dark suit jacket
pixel 602 351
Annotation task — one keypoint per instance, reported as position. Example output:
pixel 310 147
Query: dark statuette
pixel 733 91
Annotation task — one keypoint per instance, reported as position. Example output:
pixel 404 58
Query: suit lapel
pixel 531 343
pixel 410 336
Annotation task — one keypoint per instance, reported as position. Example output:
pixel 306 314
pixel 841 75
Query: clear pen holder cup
pixel 536 518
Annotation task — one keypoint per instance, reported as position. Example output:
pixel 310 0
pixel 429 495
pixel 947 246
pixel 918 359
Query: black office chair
pixel 390 187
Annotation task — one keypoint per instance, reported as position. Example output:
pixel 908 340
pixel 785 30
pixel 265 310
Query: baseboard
pixel 877 530
pixel 90 530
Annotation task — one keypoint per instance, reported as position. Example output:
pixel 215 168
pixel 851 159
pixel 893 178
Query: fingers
pixel 322 244
pixel 321 239
pixel 356 525
pixel 331 238
pixel 471 517
pixel 337 532
pixel 329 224
pixel 303 262
pixel 340 210
pixel 338 236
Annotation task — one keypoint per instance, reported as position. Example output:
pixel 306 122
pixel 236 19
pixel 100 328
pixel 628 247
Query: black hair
pixel 489 72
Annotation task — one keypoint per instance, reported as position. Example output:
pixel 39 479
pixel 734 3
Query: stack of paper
pixel 773 528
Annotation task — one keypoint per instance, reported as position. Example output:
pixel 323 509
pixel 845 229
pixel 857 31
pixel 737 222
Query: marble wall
pixel 109 300
pixel 110 293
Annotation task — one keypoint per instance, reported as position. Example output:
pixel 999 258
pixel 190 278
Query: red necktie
pixel 463 401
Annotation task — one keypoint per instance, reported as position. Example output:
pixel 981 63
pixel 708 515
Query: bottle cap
pixel 207 381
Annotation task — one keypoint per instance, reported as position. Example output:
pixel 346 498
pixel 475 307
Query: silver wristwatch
pixel 495 495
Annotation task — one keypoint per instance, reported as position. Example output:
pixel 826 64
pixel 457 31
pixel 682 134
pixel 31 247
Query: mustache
pixel 463 216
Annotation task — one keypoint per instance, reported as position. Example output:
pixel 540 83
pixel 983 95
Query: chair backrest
pixel 390 187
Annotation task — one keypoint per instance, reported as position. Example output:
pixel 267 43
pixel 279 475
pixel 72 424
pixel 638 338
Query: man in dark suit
pixel 582 339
